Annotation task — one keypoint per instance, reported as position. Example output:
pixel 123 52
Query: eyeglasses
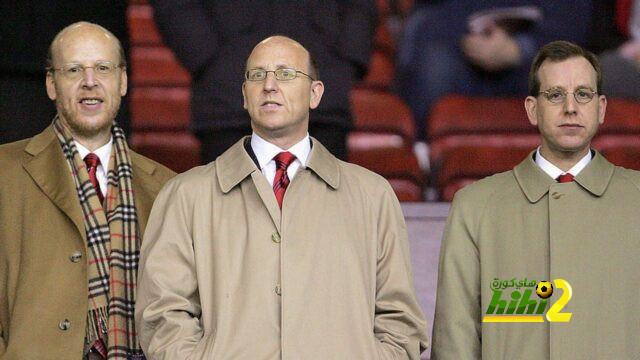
pixel 280 74
pixel 557 96
pixel 74 71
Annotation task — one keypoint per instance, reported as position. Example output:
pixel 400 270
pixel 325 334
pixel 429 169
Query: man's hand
pixel 492 50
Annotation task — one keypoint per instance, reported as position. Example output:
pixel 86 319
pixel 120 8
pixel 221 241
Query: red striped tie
pixel 281 180
pixel 92 161
pixel 565 178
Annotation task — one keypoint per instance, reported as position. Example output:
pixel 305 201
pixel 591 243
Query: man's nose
pixel 270 82
pixel 88 77
pixel 570 103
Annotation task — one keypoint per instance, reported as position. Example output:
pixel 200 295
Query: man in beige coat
pixel 52 220
pixel 228 271
pixel 509 232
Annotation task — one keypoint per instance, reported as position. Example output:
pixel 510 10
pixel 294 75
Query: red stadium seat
pixel 380 73
pixel 441 147
pixel 622 150
pixel 449 190
pixel 383 40
pixel 479 161
pixel 621 117
pixel 397 164
pixel 179 151
pixel 382 112
pixel 142 27
pixel 160 109
pixel 457 114
pixel 406 190
pixel 625 156
pixel 389 162
pixel 462 159
pixel 361 140
pixel 157 66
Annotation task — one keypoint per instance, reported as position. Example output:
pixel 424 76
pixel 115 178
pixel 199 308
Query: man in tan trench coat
pixel 228 271
pixel 511 231
pixel 61 243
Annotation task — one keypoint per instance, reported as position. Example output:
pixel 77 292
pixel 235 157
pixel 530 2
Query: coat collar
pixel 535 183
pixel 324 164
pixel 48 167
pixel 235 164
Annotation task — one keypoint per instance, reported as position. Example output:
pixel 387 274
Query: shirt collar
pixel 535 183
pixel 103 152
pixel 266 151
pixel 235 164
pixel 554 171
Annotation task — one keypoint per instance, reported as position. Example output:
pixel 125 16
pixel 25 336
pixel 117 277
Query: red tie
pixel 281 180
pixel 565 178
pixel 92 161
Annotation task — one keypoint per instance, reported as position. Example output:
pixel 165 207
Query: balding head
pixel 78 28
pixel 280 40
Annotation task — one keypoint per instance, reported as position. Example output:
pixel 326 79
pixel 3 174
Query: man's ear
pixel 123 81
pixel 244 96
pixel 51 86
pixel 602 107
pixel 317 89
pixel 531 106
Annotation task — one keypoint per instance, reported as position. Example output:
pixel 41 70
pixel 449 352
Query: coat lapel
pixel 51 173
pixel 235 165
pixel 596 176
pixel 145 186
pixel 533 181
pixel 324 164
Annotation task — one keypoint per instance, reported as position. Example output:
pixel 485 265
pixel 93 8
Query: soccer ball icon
pixel 544 289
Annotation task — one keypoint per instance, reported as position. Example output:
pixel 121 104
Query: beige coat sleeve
pixel 168 305
pixel 399 323
pixel 457 322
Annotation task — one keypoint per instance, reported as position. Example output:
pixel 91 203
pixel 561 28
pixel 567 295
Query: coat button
pixel 76 256
pixel 556 195
pixel 278 290
pixel 64 324
pixel 276 238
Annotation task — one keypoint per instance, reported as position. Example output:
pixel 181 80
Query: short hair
pixel 558 51
pixel 49 59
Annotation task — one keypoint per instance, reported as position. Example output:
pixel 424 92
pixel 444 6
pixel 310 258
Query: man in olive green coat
pixel 230 269
pixel 511 231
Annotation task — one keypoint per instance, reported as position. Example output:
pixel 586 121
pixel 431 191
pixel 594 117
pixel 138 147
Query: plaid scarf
pixel 113 245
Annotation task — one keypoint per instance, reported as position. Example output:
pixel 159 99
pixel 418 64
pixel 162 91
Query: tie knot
pixel 92 160
pixel 565 178
pixel 284 159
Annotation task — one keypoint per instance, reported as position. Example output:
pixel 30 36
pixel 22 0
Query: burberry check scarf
pixel 113 245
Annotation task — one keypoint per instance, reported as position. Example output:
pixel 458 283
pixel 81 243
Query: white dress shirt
pixel 554 171
pixel 104 154
pixel 266 151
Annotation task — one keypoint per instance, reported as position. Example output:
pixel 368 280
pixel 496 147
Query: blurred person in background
pixel 615 36
pixel 442 52
pixel 212 39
